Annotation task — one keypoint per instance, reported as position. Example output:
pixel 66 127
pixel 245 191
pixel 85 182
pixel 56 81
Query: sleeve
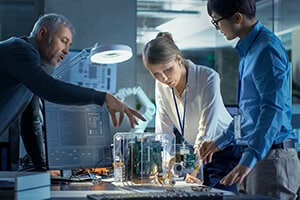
pixel 226 138
pixel 270 77
pixel 26 68
pixel 211 104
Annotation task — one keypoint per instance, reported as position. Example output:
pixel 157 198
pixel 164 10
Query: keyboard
pixel 170 194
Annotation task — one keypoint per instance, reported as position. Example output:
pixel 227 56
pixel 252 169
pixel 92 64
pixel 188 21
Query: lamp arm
pixel 61 70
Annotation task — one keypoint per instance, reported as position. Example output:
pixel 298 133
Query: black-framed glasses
pixel 215 22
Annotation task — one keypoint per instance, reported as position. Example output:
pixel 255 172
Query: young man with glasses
pixel 269 165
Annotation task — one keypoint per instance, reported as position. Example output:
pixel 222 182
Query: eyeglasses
pixel 215 22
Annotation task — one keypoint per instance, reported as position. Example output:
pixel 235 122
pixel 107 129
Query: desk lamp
pixel 99 54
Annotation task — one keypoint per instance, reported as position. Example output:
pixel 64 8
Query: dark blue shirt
pixel 264 95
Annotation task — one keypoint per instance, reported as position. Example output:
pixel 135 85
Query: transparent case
pixel 144 158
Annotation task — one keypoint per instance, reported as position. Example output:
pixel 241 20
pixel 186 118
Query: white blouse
pixel 206 116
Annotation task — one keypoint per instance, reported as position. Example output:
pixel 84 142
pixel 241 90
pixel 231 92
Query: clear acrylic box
pixel 144 158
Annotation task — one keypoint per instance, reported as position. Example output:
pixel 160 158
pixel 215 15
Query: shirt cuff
pixel 99 97
pixel 224 139
pixel 248 159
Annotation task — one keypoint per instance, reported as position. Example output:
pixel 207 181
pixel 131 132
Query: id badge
pixel 237 124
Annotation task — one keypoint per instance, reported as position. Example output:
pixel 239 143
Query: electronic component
pixel 185 161
pixel 144 158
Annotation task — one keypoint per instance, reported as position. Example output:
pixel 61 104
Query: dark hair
pixel 162 49
pixel 227 8
pixel 51 21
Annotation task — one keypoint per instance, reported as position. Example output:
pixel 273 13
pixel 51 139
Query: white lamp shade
pixel 110 54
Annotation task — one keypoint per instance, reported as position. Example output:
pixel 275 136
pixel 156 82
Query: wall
pixel 296 65
pixel 17 17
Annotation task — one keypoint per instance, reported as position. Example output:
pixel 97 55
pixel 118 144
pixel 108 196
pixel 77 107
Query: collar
pixel 192 75
pixel 31 40
pixel 47 68
pixel 244 45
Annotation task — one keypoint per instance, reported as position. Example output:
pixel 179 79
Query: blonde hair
pixel 162 49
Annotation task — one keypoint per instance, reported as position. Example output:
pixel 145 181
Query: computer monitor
pixel 79 136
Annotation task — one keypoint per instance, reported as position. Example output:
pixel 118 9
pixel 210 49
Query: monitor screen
pixel 79 136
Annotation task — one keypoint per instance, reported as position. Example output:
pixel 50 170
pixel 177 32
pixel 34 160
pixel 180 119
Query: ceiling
pixel 187 20
pixel 190 25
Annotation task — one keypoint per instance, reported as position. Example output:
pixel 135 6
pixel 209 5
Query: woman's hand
pixel 192 179
pixel 207 149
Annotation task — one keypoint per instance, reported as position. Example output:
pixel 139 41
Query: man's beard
pixel 54 62
pixel 49 69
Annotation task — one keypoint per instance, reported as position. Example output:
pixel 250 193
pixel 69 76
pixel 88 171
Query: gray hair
pixel 51 21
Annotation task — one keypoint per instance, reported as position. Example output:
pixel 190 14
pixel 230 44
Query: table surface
pixel 80 190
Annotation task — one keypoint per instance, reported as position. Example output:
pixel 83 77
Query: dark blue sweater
pixel 22 76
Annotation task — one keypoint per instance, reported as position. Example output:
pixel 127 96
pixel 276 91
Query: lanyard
pixel 181 122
